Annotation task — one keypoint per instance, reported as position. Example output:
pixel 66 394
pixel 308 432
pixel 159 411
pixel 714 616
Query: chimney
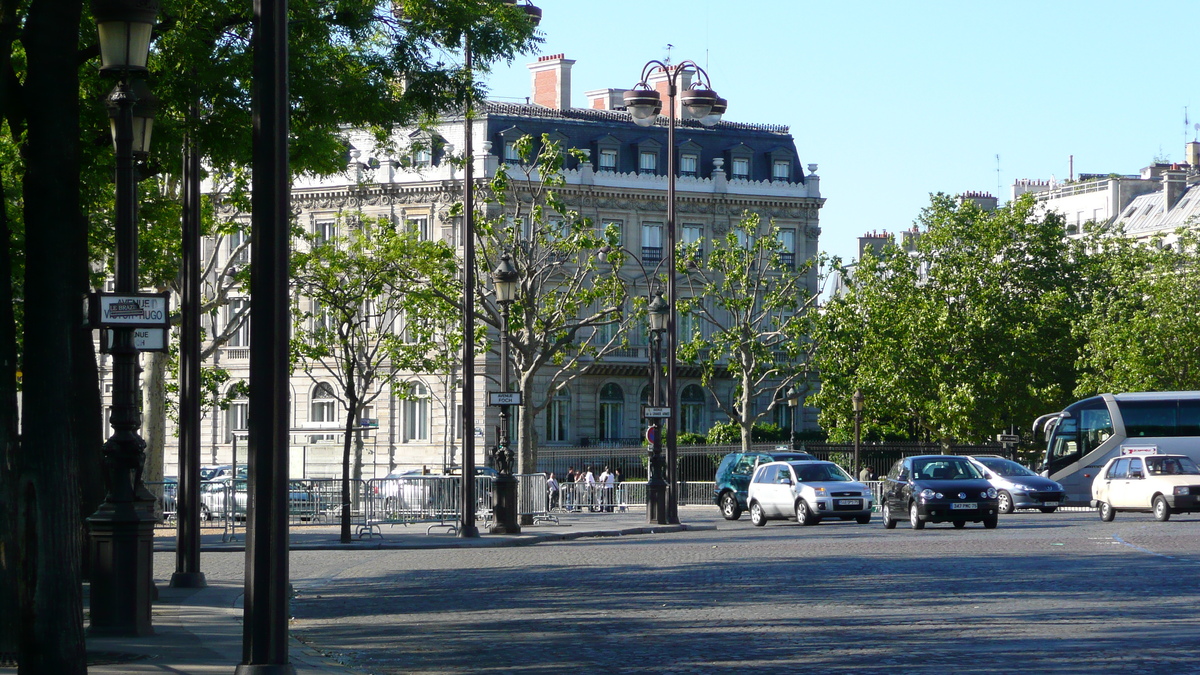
pixel 1192 153
pixel 984 200
pixel 658 82
pixel 552 81
pixel 605 99
pixel 874 242
pixel 1174 183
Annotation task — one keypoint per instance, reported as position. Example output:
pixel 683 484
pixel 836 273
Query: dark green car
pixel 733 478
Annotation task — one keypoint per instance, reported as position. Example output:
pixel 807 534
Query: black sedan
pixel 938 489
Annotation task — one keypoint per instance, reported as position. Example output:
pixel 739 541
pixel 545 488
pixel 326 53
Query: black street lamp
pixel 659 314
pixel 122 529
pixel 701 103
pixel 793 400
pixel 505 279
pixel 857 402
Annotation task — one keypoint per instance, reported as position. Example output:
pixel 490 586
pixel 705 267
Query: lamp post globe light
pixel 644 104
pixel 122 528
pixel 659 316
pixel 857 402
pixel 505 279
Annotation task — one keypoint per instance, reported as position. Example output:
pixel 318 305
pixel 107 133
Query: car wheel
pixel 990 522
pixel 914 517
pixel 1048 509
pixel 730 508
pixel 863 519
pixel 757 516
pixel 1004 502
pixel 960 524
pixel 804 515
pixel 205 514
pixel 1162 512
pixel 889 523
pixel 1107 512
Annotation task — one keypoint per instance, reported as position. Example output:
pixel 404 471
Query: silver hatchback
pixel 808 491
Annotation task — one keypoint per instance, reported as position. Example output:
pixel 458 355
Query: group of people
pixel 582 489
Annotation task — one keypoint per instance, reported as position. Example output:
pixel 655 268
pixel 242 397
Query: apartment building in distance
pixel 722 172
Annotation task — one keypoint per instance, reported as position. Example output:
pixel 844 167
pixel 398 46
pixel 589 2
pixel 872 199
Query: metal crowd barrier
pixel 533 498
pixel 594 497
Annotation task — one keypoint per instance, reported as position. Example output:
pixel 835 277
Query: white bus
pixel 1080 439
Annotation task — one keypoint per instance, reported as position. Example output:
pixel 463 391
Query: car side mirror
pixel 903 475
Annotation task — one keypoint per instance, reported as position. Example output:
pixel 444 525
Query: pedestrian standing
pixel 589 482
pixel 608 482
pixel 552 497
pixel 569 487
pixel 864 474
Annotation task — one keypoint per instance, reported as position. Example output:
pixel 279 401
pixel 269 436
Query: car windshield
pixel 1005 467
pixel 950 468
pixel 1170 466
pixel 818 473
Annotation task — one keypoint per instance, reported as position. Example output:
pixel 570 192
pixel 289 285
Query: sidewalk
pixel 199 631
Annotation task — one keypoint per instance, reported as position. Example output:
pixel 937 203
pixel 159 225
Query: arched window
pixel 691 409
pixel 612 411
pixel 558 417
pixel 322 410
pixel 416 413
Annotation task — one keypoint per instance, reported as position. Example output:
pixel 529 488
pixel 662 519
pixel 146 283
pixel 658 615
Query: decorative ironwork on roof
pixel 590 114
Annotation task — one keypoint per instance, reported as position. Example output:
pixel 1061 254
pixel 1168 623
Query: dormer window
pixel 608 159
pixel 781 170
pixel 689 165
pixel 511 155
pixel 647 162
pixel 508 141
pixel 422 156
pixel 741 168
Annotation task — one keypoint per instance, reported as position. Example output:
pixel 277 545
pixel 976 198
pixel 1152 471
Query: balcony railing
pixel 652 254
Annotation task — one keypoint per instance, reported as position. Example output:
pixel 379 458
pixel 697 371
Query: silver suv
pixel 808 491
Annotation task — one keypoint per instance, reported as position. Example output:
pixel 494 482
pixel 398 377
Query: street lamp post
pixel 793 400
pixel 121 530
pixel 467 527
pixel 505 278
pixel 857 401
pixel 644 104
pixel 656 488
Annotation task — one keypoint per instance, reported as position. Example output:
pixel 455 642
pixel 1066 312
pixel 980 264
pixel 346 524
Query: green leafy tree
pixel 359 319
pixel 753 308
pixel 567 312
pixel 958 335
pixel 1141 332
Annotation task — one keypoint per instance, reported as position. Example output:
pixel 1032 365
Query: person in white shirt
pixel 590 480
pixel 607 482
pixel 551 492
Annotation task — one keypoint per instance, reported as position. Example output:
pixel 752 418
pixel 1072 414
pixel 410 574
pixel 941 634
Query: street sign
pixel 504 398
pixel 1008 438
pixel 656 412
pixel 110 310
pixel 652 434
pixel 369 422
pixel 144 339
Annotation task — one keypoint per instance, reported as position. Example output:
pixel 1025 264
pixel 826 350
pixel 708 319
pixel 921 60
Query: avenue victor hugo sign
pixel 148 314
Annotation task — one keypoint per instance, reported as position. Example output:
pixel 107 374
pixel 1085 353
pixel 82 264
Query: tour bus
pixel 1080 439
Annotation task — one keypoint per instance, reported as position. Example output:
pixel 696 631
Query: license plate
pixel 1049 503
pixel 849 502
pixel 963 505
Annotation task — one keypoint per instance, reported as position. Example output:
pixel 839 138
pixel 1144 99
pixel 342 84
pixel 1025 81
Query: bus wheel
pixel 1107 512
pixel 1162 512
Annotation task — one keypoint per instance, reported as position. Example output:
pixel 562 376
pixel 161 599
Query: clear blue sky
pixel 897 100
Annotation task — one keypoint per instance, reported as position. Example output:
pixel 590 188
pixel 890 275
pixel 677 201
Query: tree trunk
pixel 155 422
pixel 50 610
pixel 527 440
pixel 746 422
pixel 87 420
pixel 351 406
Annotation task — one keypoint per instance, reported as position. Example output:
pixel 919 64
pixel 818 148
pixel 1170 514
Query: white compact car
pixel 808 491
pixel 1160 484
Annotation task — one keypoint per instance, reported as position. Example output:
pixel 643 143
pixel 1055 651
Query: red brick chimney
pixel 552 81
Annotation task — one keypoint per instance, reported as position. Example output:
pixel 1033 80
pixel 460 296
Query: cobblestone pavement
pixel 1059 593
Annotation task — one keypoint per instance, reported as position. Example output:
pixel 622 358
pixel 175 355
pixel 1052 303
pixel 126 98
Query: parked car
pixel 1160 484
pixel 733 478
pixel 225 497
pixel 808 491
pixel 1017 487
pixel 938 489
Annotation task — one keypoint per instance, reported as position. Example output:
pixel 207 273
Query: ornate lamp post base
pixel 506 511
pixel 656 502
pixel 122 563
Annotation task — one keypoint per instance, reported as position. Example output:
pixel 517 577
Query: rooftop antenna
pixel 669 48
pixel 998 173
pixel 1185 124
